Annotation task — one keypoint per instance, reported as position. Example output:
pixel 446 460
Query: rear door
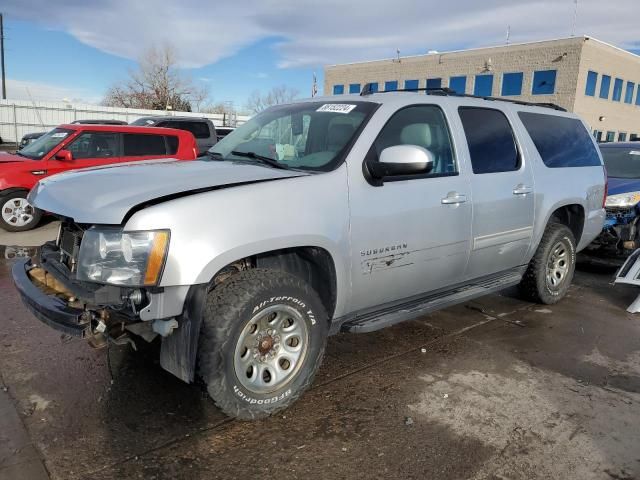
pixel 502 188
pixel 89 149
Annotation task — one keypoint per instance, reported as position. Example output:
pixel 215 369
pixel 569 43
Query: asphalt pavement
pixel 494 389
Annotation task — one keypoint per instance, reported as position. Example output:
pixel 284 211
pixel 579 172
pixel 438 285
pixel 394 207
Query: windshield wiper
pixel 215 155
pixel 263 159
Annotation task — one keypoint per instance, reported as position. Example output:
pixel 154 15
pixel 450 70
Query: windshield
pixel 309 136
pixel 144 121
pixel 622 162
pixel 43 145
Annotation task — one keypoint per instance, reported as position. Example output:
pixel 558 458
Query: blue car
pixel 621 233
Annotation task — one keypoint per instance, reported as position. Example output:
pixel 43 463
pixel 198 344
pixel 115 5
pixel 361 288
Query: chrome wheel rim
pixel 557 266
pixel 271 349
pixel 17 212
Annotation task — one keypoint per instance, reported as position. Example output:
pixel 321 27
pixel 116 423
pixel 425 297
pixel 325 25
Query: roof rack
pixel 368 90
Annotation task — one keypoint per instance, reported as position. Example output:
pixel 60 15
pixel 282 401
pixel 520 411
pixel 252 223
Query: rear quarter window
pixel 560 141
pixel 143 144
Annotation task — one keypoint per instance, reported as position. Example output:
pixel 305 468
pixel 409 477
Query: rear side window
pixel 140 144
pixel 172 145
pixel 490 139
pixel 199 129
pixel 560 141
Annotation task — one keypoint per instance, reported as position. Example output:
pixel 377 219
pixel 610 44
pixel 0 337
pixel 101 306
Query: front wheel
pixel 17 214
pixel 550 272
pixel 263 337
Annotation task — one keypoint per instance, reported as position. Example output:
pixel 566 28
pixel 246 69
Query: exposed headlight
pixel 130 259
pixel 623 200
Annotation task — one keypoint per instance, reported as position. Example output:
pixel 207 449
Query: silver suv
pixel 337 214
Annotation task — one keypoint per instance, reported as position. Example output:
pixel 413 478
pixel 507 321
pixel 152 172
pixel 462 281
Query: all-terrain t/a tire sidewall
pixel 556 233
pixel 252 292
pixel 37 214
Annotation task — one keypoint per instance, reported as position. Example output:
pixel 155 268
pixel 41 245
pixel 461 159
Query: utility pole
pixel 4 83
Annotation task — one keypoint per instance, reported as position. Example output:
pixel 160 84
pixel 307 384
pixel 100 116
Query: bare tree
pixel 157 84
pixel 277 95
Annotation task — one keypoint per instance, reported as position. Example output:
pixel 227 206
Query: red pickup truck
pixel 70 147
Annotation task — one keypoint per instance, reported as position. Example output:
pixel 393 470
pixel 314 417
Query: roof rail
pixel 368 90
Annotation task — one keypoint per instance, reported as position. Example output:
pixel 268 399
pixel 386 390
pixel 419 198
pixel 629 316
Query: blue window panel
pixel 434 83
pixel 411 84
pixel 512 84
pixel 458 84
pixel 605 85
pixel 373 87
pixel 592 79
pixel 638 95
pixel 628 95
pixel 354 88
pixel 390 86
pixel 617 90
pixel 338 89
pixel 544 82
pixel 483 86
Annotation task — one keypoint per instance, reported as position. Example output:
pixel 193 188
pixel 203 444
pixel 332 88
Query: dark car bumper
pixel 48 309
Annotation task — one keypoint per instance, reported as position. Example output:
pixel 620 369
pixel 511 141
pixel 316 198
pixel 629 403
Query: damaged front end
pixel 53 286
pixel 619 237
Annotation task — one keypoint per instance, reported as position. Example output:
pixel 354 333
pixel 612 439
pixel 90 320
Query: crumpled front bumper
pixel 48 308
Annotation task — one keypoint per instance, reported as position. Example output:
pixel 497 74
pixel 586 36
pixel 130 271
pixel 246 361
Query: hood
pixel 11 158
pixel 105 195
pixel 623 185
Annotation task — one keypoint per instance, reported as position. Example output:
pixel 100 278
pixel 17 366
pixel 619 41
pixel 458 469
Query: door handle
pixel 522 190
pixel 453 198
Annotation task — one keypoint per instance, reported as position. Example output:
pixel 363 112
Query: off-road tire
pixel 534 285
pixel 229 308
pixel 37 214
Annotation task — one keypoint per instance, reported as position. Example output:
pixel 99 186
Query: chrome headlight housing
pixel 623 200
pixel 128 259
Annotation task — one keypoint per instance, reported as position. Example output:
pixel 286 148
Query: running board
pixel 408 311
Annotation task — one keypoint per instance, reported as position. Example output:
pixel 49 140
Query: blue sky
pixel 76 49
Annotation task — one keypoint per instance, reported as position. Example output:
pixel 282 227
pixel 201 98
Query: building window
pixel 483 86
pixel 633 137
pixel 611 136
pixel 373 87
pixel 592 79
pixel 638 96
pixel 458 84
pixel 338 89
pixel 622 137
pixel 411 84
pixel 512 84
pixel 597 134
pixel 544 82
pixel 605 84
pixel 628 95
pixel 434 83
pixel 354 88
pixel 617 90
pixel 391 86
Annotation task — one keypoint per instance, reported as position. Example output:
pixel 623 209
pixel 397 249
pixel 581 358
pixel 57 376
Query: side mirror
pixel 64 156
pixel 402 160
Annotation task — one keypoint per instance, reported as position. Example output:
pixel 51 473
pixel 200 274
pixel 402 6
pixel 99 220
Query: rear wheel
pixel 262 341
pixel 17 214
pixel 550 272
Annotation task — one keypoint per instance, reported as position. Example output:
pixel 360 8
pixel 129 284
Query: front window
pixel 622 162
pixel 307 136
pixel 43 145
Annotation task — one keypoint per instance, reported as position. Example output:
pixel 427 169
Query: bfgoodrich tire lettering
pixel 550 272
pixel 254 298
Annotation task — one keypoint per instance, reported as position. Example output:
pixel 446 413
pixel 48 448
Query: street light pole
pixel 4 83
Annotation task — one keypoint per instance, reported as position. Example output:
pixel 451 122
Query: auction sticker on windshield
pixel 59 135
pixel 336 108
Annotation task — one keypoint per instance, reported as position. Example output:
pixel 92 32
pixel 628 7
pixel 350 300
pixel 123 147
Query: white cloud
pixel 39 91
pixel 333 31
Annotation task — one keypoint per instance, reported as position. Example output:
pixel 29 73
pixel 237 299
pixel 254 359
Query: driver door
pixel 89 149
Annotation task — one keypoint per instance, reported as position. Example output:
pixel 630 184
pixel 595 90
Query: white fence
pixel 18 117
